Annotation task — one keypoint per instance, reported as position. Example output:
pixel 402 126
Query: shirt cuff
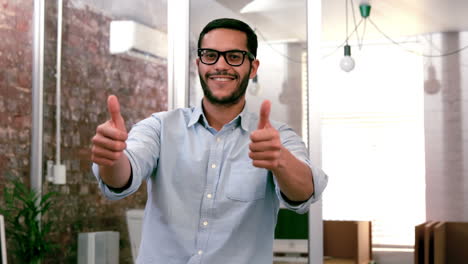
pixel 111 193
pixel 320 180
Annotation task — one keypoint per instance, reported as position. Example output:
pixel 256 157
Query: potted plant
pixel 25 223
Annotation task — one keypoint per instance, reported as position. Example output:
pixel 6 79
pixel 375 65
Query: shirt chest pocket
pixel 246 183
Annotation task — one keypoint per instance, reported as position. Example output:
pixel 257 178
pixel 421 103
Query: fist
pixel 108 143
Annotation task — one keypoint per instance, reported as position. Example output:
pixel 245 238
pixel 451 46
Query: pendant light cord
pixel 346 4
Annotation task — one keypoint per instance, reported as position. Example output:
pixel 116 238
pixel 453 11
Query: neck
pixel 219 115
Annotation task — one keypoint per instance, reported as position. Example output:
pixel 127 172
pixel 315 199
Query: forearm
pixel 117 175
pixel 294 177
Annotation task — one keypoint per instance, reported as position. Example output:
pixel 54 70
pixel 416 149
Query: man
pixel 216 173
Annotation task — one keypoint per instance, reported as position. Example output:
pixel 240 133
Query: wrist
pixel 281 161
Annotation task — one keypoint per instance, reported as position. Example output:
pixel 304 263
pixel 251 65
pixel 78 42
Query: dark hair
pixel 235 24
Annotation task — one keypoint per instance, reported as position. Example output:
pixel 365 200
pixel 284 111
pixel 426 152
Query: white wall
pixel 446 129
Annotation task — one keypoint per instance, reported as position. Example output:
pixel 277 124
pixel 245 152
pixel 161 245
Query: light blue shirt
pixel 206 203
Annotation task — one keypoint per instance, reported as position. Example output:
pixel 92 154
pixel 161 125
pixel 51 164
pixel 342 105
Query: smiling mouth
pixel 222 77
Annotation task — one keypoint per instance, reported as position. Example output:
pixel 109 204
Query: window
pixel 373 141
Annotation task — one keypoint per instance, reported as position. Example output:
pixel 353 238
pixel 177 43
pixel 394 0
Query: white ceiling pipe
pixel 59 169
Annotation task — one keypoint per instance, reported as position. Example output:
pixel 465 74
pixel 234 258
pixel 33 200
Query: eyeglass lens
pixel 233 58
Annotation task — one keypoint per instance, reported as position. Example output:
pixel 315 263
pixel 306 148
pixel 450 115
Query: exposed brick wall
pixel 16 34
pixel 15 87
pixel 89 75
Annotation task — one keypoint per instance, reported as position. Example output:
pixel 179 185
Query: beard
pixel 232 99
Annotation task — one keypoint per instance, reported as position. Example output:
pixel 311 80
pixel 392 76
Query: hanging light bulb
pixel 347 63
pixel 431 85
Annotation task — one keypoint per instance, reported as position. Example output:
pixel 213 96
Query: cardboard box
pixel 450 242
pixel 441 243
pixel 419 243
pixel 347 241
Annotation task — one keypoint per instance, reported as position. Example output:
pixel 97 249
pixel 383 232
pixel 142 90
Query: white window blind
pixel 373 141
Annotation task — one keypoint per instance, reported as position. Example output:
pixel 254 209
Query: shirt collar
pixel 198 116
pixel 245 118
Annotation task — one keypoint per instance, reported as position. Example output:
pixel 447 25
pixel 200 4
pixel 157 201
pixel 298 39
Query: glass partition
pixel 281 78
pixel 92 68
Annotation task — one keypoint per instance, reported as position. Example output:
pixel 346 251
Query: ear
pixel 197 61
pixel 254 67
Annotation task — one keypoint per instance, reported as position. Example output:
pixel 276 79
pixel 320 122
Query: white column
pixel 314 31
pixel 178 53
pixel 37 97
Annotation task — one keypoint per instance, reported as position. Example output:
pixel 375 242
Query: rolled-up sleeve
pixel 110 194
pixel 320 180
pixel 296 146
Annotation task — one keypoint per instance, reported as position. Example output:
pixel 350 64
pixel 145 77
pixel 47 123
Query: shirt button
pixel 213 166
pixel 205 223
pixel 200 252
pixel 218 139
pixel 209 196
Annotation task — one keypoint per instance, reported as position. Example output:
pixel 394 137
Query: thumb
pixel 114 109
pixel 264 121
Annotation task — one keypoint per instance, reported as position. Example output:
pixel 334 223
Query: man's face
pixel 222 83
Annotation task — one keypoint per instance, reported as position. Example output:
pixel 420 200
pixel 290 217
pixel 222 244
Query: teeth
pixel 221 79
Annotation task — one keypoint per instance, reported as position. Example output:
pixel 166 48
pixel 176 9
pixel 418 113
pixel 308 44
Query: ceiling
pixel 286 19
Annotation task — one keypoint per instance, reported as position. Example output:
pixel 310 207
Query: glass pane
pixel 281 78
pixel 90 72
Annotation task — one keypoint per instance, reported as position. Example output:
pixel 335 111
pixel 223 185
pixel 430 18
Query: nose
pixel 221 63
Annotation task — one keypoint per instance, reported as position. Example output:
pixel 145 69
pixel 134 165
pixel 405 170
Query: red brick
pixel 22 25
pixel 24 79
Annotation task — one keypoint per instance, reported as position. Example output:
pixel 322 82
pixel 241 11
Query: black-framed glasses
pixel 232 57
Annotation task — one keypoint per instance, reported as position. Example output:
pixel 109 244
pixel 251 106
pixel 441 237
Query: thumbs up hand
pixel 109 141
pixel 265 147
